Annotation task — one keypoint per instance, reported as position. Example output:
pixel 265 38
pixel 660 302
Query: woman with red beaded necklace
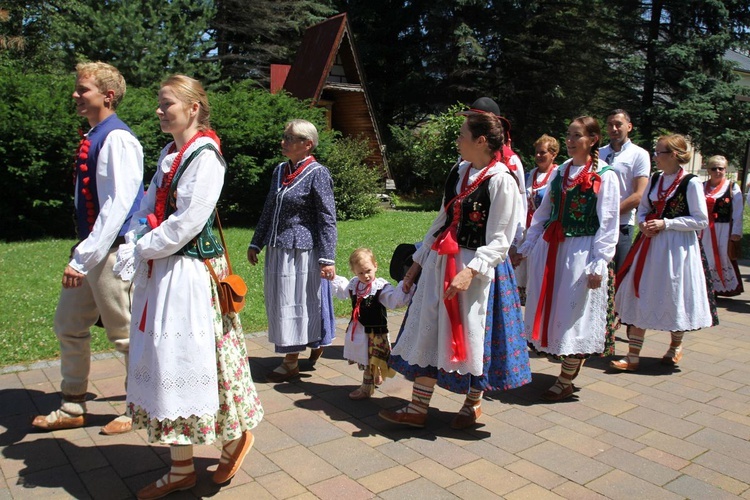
pixel 546 149
pixel 570 245
pixel 191 381
pixel 724 202
pixel 298 229
pixel 663 283
pixel 464 328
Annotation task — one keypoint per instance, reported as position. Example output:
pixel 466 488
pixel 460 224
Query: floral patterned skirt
pixel 239 406
pixel 505 359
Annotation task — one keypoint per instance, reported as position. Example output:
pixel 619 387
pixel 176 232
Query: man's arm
pixel 632 201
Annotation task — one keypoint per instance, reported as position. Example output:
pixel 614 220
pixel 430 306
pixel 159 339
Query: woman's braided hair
pixel 591 126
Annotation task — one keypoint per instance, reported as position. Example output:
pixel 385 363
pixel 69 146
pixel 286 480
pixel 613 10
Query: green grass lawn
pixel 30 275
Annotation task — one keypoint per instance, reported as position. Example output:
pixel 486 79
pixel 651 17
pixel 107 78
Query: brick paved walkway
pixel 658 433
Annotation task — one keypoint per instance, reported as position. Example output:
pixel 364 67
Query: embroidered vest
pixel 87 210
pixel 372 314
pixel 475 208
pixel 579 216
pixel 677 205
pixel 205 245
pixel 723 206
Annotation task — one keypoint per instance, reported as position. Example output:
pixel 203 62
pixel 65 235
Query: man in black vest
pixel 109 187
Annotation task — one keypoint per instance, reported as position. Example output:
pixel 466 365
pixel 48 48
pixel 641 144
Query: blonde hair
pixel 678 144
pixel 717 160
pixel 304 130
pixel 360 255
pixel 106 78
pixel 552 145
pixel 189 90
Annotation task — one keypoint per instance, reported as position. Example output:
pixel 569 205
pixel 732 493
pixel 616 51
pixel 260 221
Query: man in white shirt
pixel 109 187
pixel 633 167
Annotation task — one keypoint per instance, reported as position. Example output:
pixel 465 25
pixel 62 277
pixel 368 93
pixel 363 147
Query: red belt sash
pixel 710 202
pixel 640 247
pixel 446 244
pixel 553 235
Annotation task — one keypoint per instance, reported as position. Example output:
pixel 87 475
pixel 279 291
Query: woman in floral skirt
pixel 190 380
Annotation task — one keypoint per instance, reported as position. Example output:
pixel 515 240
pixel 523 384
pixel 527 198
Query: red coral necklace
pixel 163 190
pixel 569 184
pixel 537 185
pixel 289 178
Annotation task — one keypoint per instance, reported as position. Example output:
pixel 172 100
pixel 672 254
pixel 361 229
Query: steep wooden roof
pixel 327 71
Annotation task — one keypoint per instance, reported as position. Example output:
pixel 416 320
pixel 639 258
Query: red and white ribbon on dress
pixel 447 244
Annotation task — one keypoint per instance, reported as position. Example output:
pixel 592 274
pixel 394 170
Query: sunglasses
pixel 717 169
pixel 657 153
pixel 291 138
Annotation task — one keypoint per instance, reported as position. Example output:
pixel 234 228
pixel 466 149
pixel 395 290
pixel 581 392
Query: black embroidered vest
pixel 475 208
pixel 372 314
pixel 677 205
pixel 723 206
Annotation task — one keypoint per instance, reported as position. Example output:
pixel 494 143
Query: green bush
pixel 250 122
pixel 355 183
pixel 37 141
pixel 421 158
pixel 38 138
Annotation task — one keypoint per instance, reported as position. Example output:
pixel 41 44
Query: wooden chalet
pixel 327 71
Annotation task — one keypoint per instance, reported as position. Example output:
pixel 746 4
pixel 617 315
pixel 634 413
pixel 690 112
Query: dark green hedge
pixel 39 134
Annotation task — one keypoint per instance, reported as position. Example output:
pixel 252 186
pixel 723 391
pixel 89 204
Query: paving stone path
pixel 660 433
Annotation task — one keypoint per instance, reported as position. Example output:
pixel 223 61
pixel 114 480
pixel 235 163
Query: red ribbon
pixel 446 244
pixel 553 235
pixel 355 312
pixel 710 203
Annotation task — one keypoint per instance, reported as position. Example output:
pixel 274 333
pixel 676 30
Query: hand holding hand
pixel 515 257
pixel 411 276
pixel 594 281
pixel 328 272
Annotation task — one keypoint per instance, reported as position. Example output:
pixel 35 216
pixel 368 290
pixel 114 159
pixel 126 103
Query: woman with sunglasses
pixel 724 202
pixel 662 284
pixel 298 226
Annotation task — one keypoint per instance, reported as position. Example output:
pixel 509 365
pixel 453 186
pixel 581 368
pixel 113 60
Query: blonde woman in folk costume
pixel 724 203
pixel 663 284
pixel 570 245
pixel 190 381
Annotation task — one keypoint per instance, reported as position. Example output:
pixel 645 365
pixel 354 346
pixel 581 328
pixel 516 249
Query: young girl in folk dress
pixel 662 284
pixel 367 342
pixel 570 245
pixel 190 381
